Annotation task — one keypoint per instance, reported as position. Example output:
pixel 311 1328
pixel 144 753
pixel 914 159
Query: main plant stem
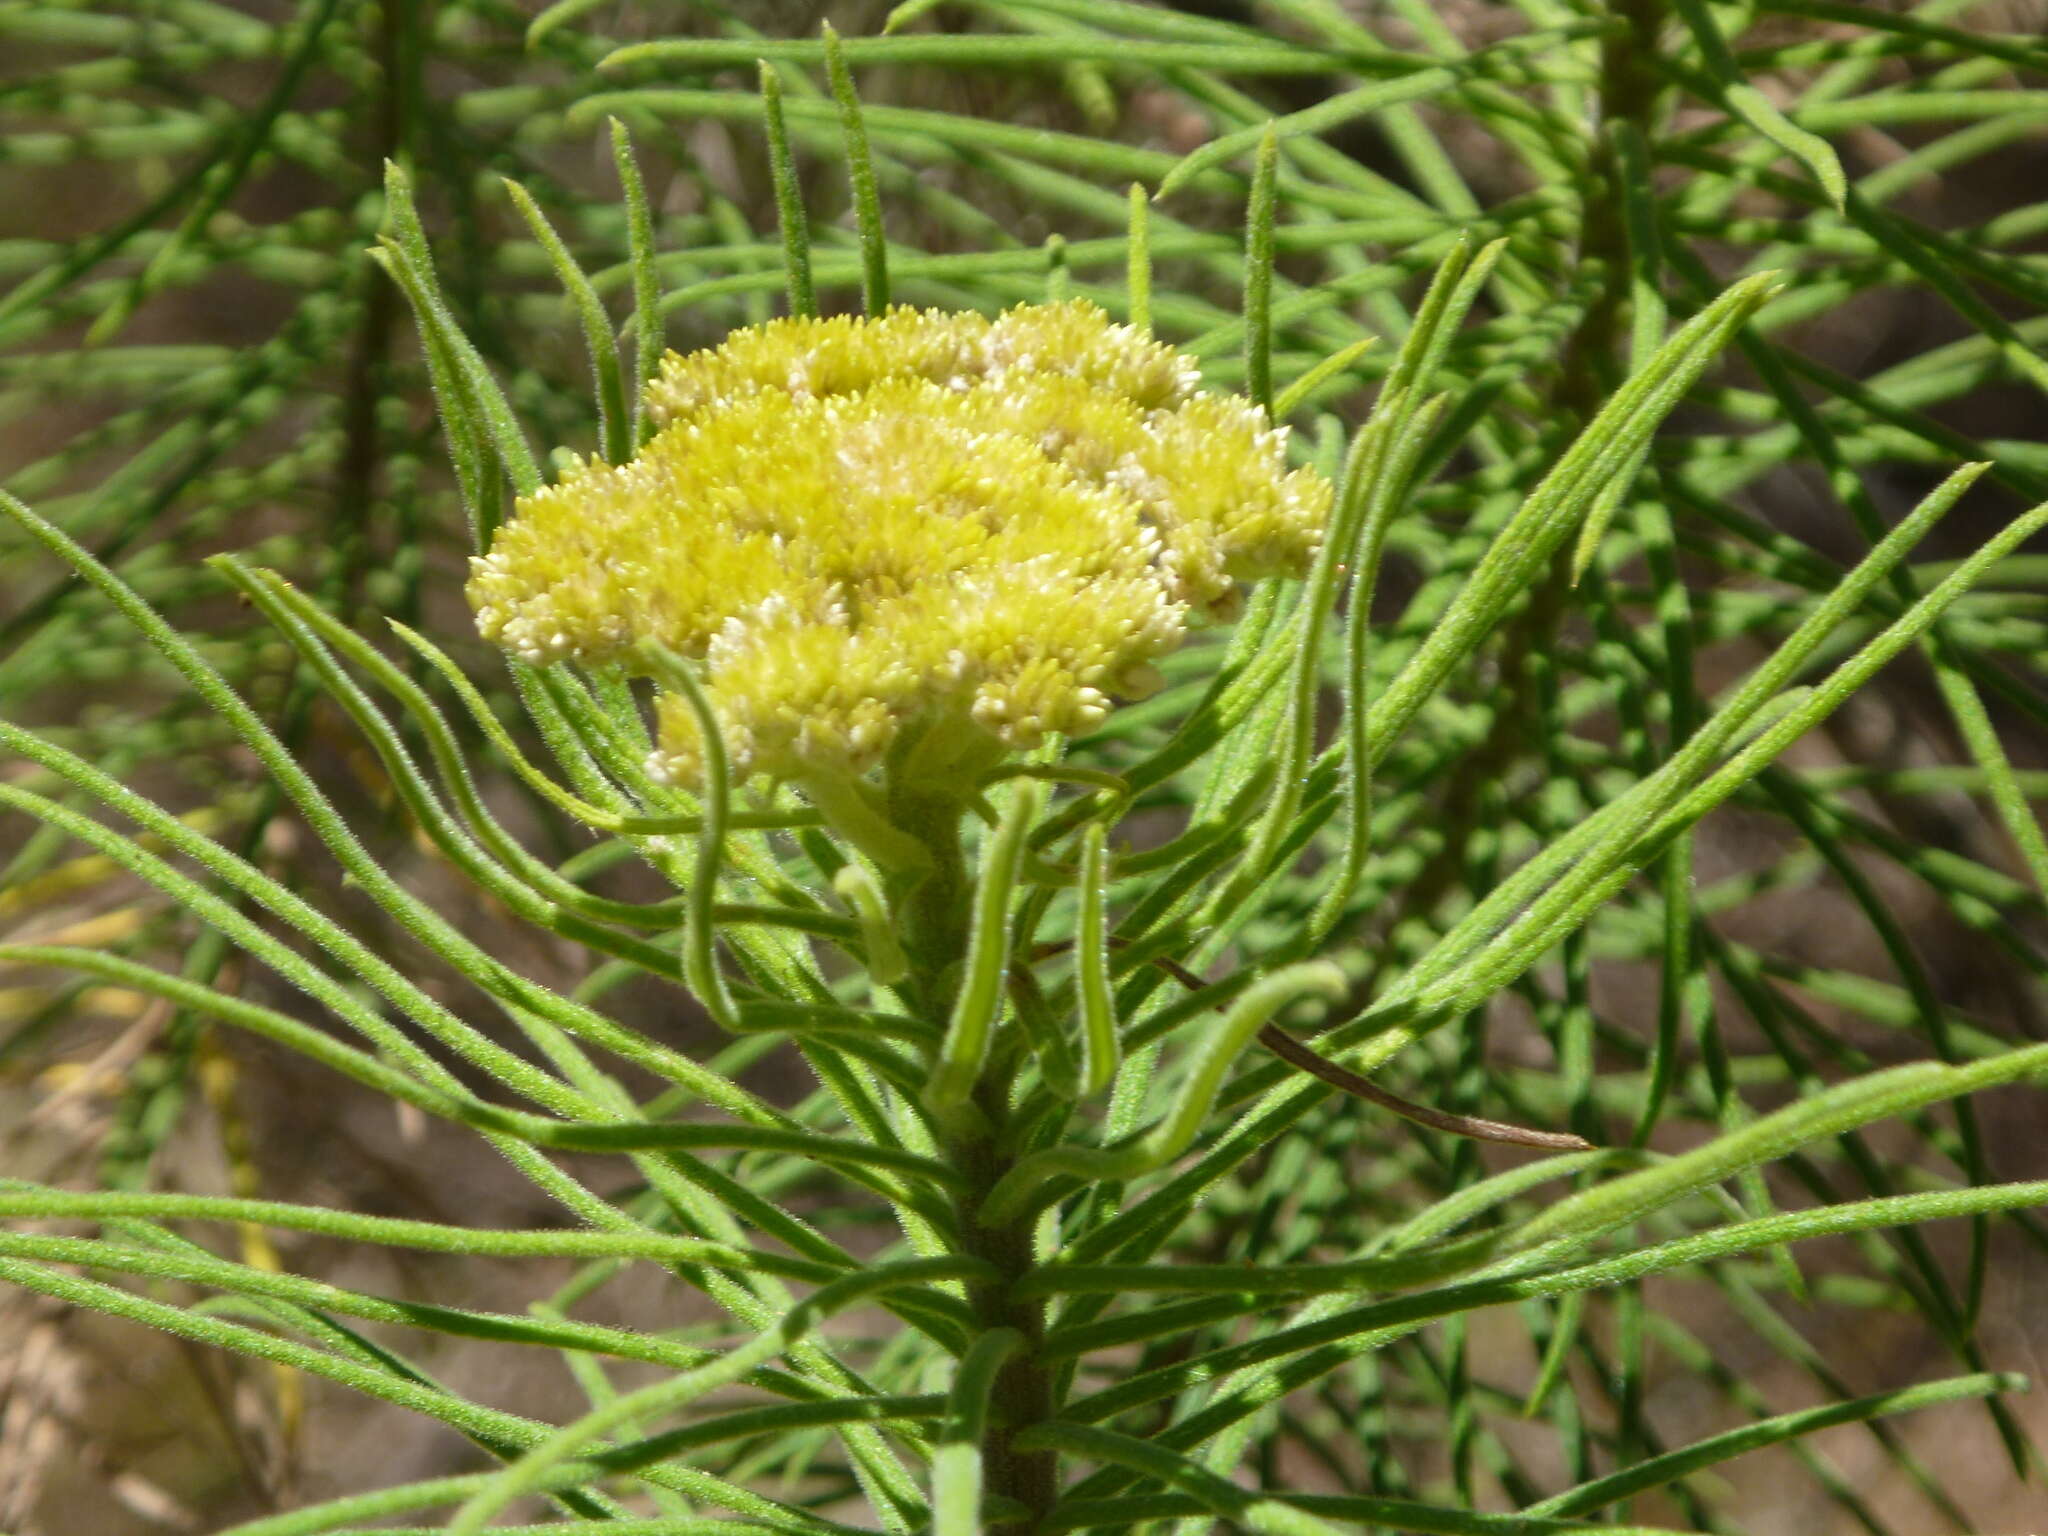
pixel 933 913
pixel 1023 1391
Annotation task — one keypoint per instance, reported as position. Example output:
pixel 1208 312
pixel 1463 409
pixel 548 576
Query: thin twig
pixel 1296 1054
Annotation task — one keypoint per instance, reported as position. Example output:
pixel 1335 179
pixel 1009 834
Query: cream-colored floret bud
pixel 853 523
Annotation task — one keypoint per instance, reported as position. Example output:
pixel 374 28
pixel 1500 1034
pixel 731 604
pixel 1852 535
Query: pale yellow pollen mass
pixel 855 523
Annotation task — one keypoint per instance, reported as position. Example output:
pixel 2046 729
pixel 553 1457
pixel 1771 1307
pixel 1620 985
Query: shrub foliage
pixel 1095 1134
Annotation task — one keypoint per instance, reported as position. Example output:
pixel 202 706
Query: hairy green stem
pixel 1023 1394
pixel 934 912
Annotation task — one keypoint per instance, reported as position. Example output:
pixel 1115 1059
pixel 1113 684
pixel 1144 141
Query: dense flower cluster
pixel 854 523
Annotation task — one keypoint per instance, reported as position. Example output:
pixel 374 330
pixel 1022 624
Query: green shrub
pixel 1133 1176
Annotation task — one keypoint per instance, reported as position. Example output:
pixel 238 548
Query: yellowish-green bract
pixel 857 523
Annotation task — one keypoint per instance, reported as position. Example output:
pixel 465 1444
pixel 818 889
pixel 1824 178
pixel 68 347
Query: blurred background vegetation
pixel 197 355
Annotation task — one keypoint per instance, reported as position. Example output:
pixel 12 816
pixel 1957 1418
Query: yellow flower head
pixel 854 523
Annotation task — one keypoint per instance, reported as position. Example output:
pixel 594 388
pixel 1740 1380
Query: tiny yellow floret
pixel 853 524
